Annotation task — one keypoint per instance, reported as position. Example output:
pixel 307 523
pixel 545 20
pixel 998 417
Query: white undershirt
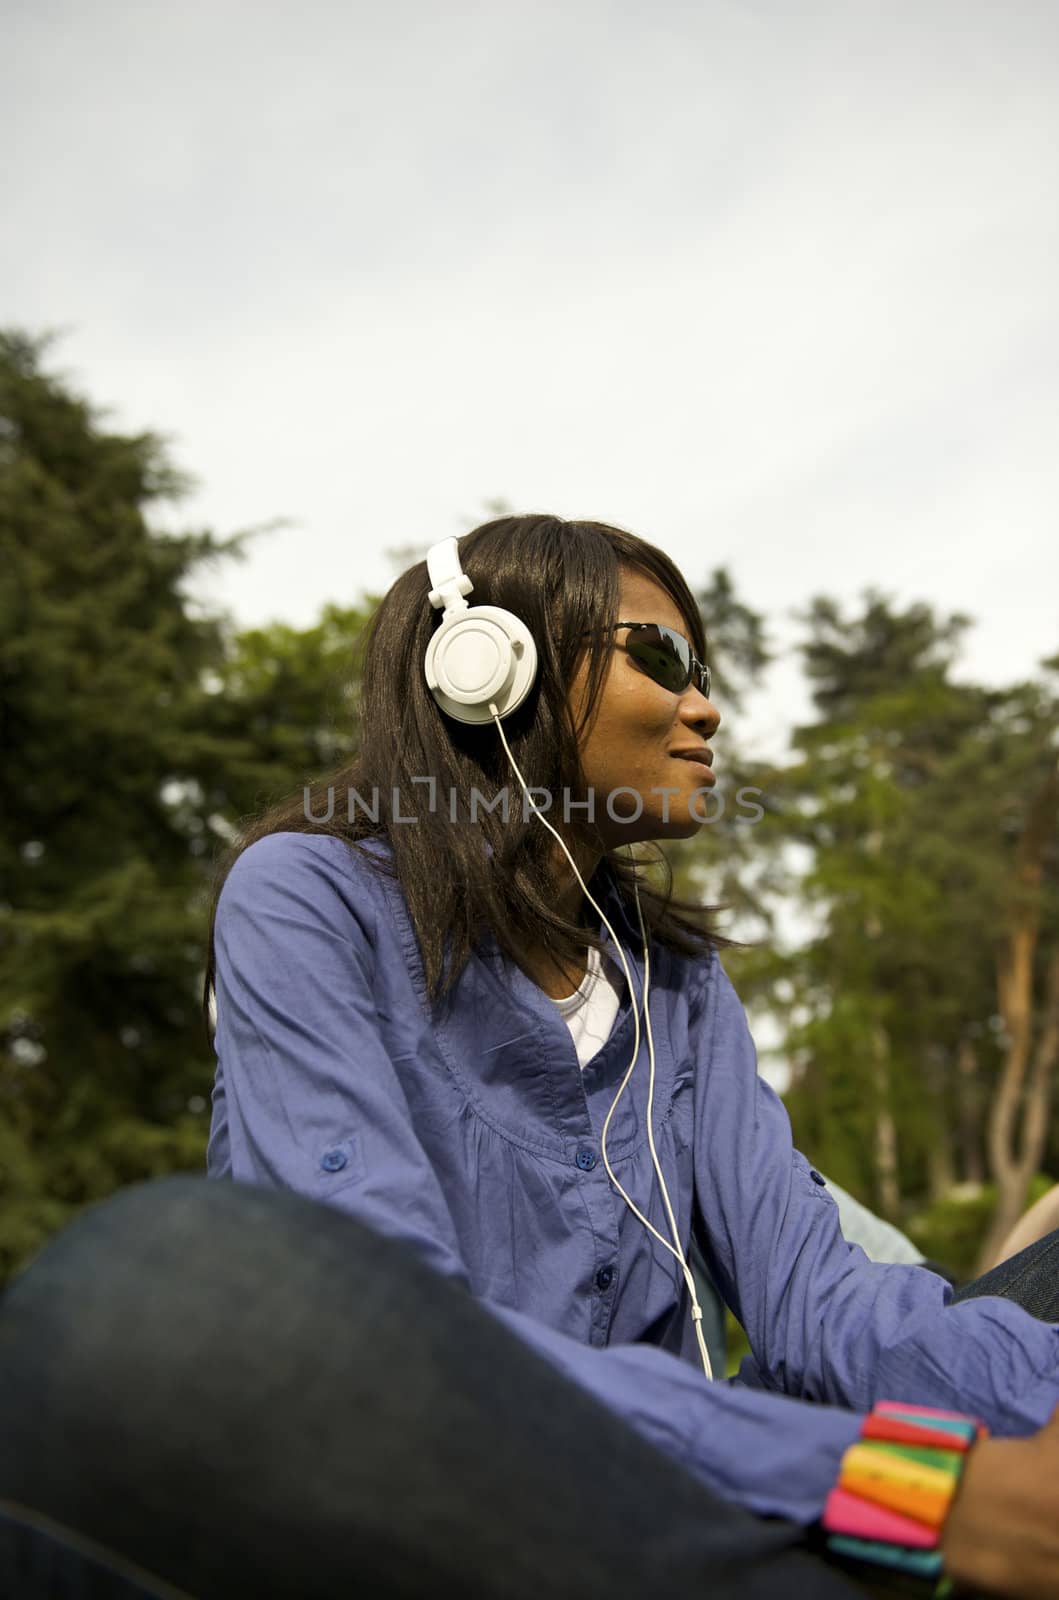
pixel 590 1011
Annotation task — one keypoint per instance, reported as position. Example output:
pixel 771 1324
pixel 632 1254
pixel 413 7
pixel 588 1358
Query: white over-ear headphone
pixel 481 656
pixel 480 666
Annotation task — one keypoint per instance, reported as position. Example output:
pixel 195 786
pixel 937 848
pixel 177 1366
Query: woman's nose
pixel 696 711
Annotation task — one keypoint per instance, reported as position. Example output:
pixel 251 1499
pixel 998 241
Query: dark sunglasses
pixel 665 655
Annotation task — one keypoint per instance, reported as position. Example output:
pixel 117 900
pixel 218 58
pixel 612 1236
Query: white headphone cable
pixel 696 1309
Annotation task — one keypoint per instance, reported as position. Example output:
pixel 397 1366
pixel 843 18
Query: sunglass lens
pixel 664 655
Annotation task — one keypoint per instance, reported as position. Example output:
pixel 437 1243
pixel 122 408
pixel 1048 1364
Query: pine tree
pixel 915 793
pixel 103 1077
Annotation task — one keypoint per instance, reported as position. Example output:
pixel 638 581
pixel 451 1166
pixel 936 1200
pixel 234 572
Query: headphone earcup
pixel 484 655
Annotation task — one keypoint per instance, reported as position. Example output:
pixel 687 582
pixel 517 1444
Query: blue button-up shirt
pixel 468 1129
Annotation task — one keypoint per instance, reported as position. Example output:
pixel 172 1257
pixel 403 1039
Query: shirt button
pixel 816 1176
pixel 585 1158
pixel 333 1160
pixel 604 1277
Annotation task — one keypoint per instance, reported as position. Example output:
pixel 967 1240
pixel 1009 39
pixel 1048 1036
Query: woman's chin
pixel 676 826
pixel 681 827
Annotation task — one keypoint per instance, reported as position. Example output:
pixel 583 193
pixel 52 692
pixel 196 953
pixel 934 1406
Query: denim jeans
pixel 1031 1278
pixel 237 1392
pixel 246 1393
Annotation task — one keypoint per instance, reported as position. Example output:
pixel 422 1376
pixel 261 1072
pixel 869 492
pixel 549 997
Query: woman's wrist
pixel 966 1540
pixel 1002 1536
pixel 896 1486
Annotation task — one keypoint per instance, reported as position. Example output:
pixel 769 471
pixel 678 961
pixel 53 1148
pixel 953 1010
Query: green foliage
pixel 950 1230
pixel 137 735
pixel 103 1078
pixel 910 878
pixel 737 640
pixel 280 709
pixel 729 863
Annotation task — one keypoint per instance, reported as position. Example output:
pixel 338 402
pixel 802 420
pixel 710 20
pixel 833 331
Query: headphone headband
pixel 450 583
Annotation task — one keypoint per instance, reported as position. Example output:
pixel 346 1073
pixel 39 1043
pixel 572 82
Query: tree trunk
pixel 940 1173
pixel 969 1102
pixel 1018 1122
pixel 1014 1166
pixel 885 1131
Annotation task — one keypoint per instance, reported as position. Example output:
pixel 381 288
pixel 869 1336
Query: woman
pixel 392 961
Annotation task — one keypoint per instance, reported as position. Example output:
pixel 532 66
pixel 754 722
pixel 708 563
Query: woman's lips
pixel 702 767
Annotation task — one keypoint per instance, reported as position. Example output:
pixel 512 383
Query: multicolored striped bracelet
pixel 895 1487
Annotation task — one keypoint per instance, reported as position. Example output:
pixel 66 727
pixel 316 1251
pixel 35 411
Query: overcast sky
pixel 771 283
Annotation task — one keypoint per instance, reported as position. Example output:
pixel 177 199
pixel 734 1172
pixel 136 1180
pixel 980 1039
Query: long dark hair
pixel 563 579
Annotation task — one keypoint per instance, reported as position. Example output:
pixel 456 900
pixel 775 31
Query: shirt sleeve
pixel 879 1239
pixel 824 1322
pixel 308 1099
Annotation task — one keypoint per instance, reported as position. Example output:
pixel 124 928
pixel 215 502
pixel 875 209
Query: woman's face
pixel 643 735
